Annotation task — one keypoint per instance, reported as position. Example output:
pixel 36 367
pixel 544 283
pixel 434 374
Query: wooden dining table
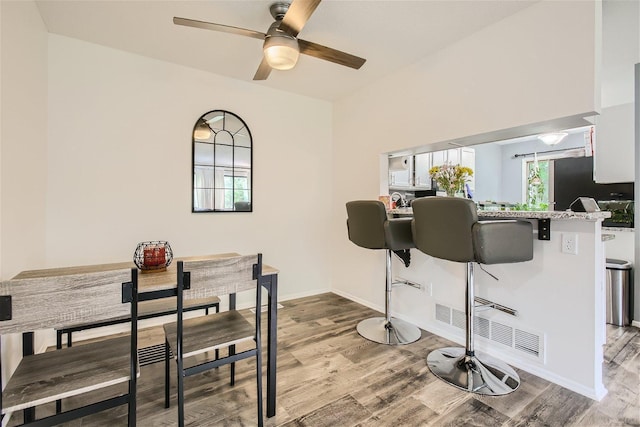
pixel 154 283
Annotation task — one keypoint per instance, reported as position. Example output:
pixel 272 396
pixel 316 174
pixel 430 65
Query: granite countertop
pixel 623 229
pixel 525 214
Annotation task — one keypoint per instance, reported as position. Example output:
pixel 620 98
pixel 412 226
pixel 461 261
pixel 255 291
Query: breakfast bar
pixel 557 328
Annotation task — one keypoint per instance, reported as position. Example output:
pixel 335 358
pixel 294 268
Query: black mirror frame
pixel 245 206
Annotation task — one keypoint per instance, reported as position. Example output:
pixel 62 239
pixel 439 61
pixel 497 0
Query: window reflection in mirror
pixel 222 162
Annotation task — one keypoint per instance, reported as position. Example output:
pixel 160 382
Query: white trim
pixel 635 323
pixel 358 300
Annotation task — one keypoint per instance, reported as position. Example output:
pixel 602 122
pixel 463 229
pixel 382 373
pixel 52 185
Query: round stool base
pixel 479 374
pixel 394 332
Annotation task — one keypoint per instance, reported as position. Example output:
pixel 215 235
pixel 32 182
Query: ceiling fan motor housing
pixel 278 10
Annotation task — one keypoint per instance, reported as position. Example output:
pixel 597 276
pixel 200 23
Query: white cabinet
pixel 422 166
pixel 468 159
pixel 453 156
pixel 401 171
pixel 614 153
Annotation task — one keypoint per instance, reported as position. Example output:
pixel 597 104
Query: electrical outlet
pixel 570 243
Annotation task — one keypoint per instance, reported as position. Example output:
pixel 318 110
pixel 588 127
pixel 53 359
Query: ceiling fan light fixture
pixel 552 138
pixel 281 51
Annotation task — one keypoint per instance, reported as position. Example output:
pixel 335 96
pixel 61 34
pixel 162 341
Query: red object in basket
pixel 154 256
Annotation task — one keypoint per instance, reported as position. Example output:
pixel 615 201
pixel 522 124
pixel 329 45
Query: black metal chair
pixel 54 300
pixel 188 338
pixel 448 228
pixel 369 228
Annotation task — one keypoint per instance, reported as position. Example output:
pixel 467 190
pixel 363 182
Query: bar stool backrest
pixel 365 223
pixel 442 227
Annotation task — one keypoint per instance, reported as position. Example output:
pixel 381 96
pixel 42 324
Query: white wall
pixel 23 149
pixel 620 50
pixel 119 169
pixel 24 127
pixel 499 78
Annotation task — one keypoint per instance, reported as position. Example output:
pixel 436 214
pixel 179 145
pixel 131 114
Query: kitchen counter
pixel 555 294
pixel 523 214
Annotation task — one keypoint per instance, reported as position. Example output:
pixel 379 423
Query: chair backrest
pixel 442 227
pixel 52 299
pixel 365 223
pixel 221 276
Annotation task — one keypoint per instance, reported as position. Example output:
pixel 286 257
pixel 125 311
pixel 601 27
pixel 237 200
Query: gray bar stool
pixel 448 228
pixel 369 228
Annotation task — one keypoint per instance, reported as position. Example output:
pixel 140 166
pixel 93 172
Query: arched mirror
pixel 222 160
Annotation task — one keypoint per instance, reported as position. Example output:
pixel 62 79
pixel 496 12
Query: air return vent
pixel 443 313
pixel 498 332
pixel 458 319
pixel 482 326
pixel 527 342
pixel 502 333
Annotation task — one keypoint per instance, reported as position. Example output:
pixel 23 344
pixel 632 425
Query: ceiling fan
pixel 281 46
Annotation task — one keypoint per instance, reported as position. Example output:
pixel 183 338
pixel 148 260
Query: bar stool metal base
pixel 393 332
pixel 479 374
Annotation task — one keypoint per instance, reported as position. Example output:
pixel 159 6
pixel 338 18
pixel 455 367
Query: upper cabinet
pixel 413 171
pixel 614 153
pixel 422 164
pixel 401 171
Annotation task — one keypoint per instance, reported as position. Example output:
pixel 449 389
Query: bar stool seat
pixel 369 228
pixel 448 228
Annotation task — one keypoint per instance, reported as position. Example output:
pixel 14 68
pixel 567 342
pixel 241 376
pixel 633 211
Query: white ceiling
pixel 390 34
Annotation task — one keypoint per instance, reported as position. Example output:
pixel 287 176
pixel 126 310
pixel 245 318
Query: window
pixel 537 195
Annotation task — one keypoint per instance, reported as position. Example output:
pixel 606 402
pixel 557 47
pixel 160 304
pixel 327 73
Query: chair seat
pixel 210 332
pixel 52 375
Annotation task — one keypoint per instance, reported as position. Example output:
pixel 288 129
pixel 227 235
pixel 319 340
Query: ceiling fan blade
pixel 219 27
pixel 298 15
pixel 329 54
pixel 264 69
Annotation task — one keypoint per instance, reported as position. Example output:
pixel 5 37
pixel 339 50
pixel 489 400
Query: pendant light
pixel 552 138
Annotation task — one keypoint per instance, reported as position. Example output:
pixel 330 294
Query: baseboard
pixel 358 300
pixel 635 323
pixel 303 294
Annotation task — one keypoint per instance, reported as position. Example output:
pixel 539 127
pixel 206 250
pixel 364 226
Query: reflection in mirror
pixel 222 162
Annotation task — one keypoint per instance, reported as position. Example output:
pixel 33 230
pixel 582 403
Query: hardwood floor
pixel 329 376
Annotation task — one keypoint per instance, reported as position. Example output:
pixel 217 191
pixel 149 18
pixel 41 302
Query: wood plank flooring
pixel 329 376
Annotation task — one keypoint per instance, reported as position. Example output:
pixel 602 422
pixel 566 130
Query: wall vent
pixel 458 319
pixel 523 341
pixel 443 313
pixel 482 326
pixel 527 342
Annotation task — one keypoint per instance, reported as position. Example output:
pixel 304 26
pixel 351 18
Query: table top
pixel 147 281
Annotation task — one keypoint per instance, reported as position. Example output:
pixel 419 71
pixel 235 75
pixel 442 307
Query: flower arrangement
pixel 451 178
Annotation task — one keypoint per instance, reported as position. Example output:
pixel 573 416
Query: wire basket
pixel 153 256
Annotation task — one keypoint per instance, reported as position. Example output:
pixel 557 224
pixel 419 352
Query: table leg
pixel 28 414
pixel 272 342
